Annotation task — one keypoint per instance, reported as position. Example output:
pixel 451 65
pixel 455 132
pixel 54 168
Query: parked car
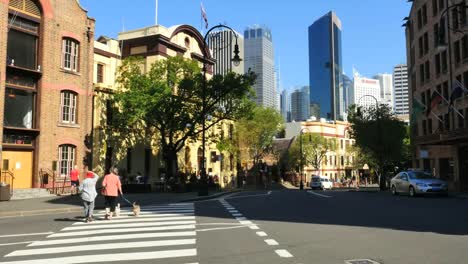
pixel 320 182
pixel 417 182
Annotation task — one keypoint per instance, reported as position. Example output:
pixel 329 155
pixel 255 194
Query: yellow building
pixel 143 154
pixel 337 164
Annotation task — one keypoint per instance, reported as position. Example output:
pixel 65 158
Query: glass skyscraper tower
pixel 325 67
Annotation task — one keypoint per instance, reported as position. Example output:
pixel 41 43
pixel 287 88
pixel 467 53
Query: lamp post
pixel 301 184
pixel 203 191
pixel 379 136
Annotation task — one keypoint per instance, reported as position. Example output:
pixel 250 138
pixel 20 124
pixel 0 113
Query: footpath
pixel 69 203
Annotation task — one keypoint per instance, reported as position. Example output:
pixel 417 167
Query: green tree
pixel 379 134
pixel 168 99
pixel 314 149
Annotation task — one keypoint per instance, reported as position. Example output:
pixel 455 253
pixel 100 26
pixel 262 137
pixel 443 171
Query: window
pixel 437 64
pixel 100 73
pixel 436 35
pixel 447 122
pixel 445 91
pixel 421 47
pixel 456 50
pixel 419 19
pixel 463 15
pixel 424 14
pixel 19 107
pixel 424 127
pixel 22 50
pixel 421 73
pixel 341 143
pixel 68 106
pixel 461 120
pixel 426 43
pixel 455 20
pixel 464 49
pixel 441 5
pixel 434 7
pixel 67 155
pixel 109 112
pixel 427 69
pixel 429 125
pixel 444 61
pixel 70 52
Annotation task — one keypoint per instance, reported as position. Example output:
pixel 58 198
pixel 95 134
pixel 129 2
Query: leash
pixel 126 200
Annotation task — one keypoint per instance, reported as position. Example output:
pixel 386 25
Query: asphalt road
pixel 253 227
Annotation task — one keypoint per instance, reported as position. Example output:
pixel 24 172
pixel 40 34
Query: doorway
pixel 20 163
pixel 463 172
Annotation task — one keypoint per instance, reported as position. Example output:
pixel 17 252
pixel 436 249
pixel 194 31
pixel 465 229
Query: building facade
pixel 435 63
pixel 300 106
pixel 221 44
pixel 400 94
pixel 259 58
pixel 46 62
pixel 337 164
pixel 363 90
pixel 386 88
pixel 325 66
pixel 285 105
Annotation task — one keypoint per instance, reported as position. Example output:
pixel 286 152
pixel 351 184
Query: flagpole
pixel 156 14
pixel 445 100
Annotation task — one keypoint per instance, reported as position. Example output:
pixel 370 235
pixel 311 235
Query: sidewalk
pixel 68 204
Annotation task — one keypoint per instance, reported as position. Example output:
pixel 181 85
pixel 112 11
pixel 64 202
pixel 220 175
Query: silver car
pixel 417 182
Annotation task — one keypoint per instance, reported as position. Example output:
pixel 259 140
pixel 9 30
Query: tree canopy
pixel 314 149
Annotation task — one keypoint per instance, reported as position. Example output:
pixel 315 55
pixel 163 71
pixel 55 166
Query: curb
pixel 204 198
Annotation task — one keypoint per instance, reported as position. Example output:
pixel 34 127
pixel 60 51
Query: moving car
pixel 320 182
pixel 417 182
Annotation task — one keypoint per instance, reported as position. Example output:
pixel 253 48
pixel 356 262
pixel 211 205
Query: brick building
pixel 437 52
pixel 46 62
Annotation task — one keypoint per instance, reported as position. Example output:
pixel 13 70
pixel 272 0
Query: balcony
pixel 443 138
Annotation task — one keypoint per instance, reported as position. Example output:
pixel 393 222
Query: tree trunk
pixel 172 165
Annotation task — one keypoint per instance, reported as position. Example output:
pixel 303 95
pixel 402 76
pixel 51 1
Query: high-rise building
pixel 221 44
pixel 285 105
pixel 400 95
pixel 259 58
pixel 362 91
pixel 386 88
pixel 325 66
pixel 300 104
pixel 347 84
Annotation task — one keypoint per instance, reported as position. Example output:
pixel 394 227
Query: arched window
pixel 67 157
pixel 28 7
pixel 68 102
pixel 70 54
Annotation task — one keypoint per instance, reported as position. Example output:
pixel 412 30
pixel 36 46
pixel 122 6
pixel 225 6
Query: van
pixel 321 182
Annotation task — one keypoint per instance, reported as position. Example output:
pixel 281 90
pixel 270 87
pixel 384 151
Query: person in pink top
pixel 111 188
pixel 74 180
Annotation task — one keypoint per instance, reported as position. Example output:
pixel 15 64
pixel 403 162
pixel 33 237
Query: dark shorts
pixel 110 202
pixel 75 183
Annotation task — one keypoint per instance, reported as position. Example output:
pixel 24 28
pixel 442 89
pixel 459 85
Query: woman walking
pixel 111 189
pixel 88 194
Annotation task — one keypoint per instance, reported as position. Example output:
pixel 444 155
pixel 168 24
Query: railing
pixel 54 183
pixel 8 177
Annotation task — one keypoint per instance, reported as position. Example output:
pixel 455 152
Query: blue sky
pixel 373 39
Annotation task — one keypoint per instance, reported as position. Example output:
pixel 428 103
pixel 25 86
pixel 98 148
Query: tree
pixel 380 134
pixel 314 149
pixel 168 99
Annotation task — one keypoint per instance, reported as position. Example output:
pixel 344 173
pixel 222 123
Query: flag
pixel 203 14
pixel 418 108
pixel 457 91
pixel 436 98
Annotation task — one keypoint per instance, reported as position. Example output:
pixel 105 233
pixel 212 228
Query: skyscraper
pixel 222 43
pixel 259 58
pixel 362 91
pixel 400 82
pixel 300 104
pixel 386 88
pixel 325 66
pixel 285 105
pixel 347 84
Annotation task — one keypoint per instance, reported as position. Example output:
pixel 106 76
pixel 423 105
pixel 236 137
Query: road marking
pixel 318 194
pixel 271 242
pixel 241 218
pixel 121 230
pixel 16 243
pixel 139 224
pixel 31 234
pixel 262 234
pixel 239 214
pixel 150 212
pixel 246 222
pixel 248 196
pixel 112 257
pixel 134 219
pixel 111 237
pixel 254 227
pixel 283 253
pixel 233 211
pixel 219 228
pixel 60 250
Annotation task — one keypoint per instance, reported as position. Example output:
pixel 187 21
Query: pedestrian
pixel 111 190
pixel 74 180
pixel 88 194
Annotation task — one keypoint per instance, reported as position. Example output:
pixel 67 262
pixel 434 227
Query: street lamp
pixel 301 184
pixel 236 60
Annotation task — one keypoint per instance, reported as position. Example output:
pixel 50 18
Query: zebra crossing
pixel 160 234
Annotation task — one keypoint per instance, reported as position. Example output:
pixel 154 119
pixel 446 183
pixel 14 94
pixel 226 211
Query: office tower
pixel 386 88
pixel 363 91
pixel 347 84
pixel 325 66
pixel 400 82
pixel 285 105
pixel 221 44
pixel 300 104
pixel 259 58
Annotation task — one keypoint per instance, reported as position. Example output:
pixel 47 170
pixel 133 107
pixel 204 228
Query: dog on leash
pixel 117 210
pixel 136 209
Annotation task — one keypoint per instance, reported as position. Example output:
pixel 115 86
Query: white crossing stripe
pixel 137 219
pixel 31 234
pixel 111 237
pixel 121 230
pixel 246 222
pixel 241 218
pixel 283 253
pixel 112 257
pixel 237 214
pixel 151 212
pixel 59 250
pixel 139 224
pixel 262 234
pixel 233 211
pixel 254 227
pixel 271 242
